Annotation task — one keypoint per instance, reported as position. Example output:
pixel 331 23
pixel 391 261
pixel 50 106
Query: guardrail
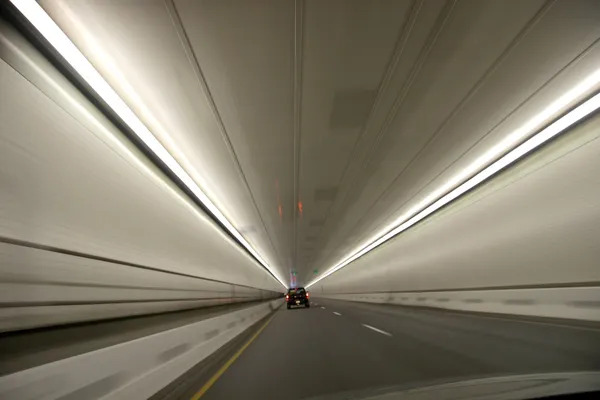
pixel 582 303
pixel 136 369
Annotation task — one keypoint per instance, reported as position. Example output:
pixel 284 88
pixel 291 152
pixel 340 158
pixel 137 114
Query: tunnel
pixel 300 199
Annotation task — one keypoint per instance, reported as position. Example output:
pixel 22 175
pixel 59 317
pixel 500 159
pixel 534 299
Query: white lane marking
pixel 377 330
pixel 337 313
pixel 322 308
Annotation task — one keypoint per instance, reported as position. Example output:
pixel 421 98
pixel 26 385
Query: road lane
pixel 502 344
pixel 310 352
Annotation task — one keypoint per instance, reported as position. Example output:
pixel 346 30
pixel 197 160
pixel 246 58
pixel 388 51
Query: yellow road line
pixel 224 368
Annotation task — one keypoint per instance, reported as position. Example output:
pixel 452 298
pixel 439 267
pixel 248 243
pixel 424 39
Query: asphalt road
pixel 336 347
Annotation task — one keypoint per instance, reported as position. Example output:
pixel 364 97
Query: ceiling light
pixel 429 205
pixel 36 15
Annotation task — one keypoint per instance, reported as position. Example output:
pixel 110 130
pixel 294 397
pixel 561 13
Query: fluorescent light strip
pixel 36 15
pixel 542 137
pixel 571 97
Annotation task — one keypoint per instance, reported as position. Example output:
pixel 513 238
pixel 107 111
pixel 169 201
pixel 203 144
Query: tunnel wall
pixel 89 227
pixel 526 242
pixel 42 288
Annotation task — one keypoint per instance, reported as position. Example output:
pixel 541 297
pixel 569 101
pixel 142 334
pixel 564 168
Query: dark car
pixel 297 297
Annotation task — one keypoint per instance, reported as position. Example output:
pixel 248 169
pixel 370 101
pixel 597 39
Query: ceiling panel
pixel 390 45
pixel 340 86
pixel 246 52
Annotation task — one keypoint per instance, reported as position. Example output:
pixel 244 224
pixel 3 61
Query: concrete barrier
pixel 581 303
pixel 132 370
pixel 41 288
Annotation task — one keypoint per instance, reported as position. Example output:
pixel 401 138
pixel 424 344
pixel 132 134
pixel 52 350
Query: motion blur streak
pixel 51 32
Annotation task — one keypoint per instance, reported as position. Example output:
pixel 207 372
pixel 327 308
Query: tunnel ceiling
pixel 313 124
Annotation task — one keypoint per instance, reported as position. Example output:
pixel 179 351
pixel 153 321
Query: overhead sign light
pixel 41 21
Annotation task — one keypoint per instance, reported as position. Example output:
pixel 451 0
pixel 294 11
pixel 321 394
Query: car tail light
pixel 287 296
pixel 307 295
